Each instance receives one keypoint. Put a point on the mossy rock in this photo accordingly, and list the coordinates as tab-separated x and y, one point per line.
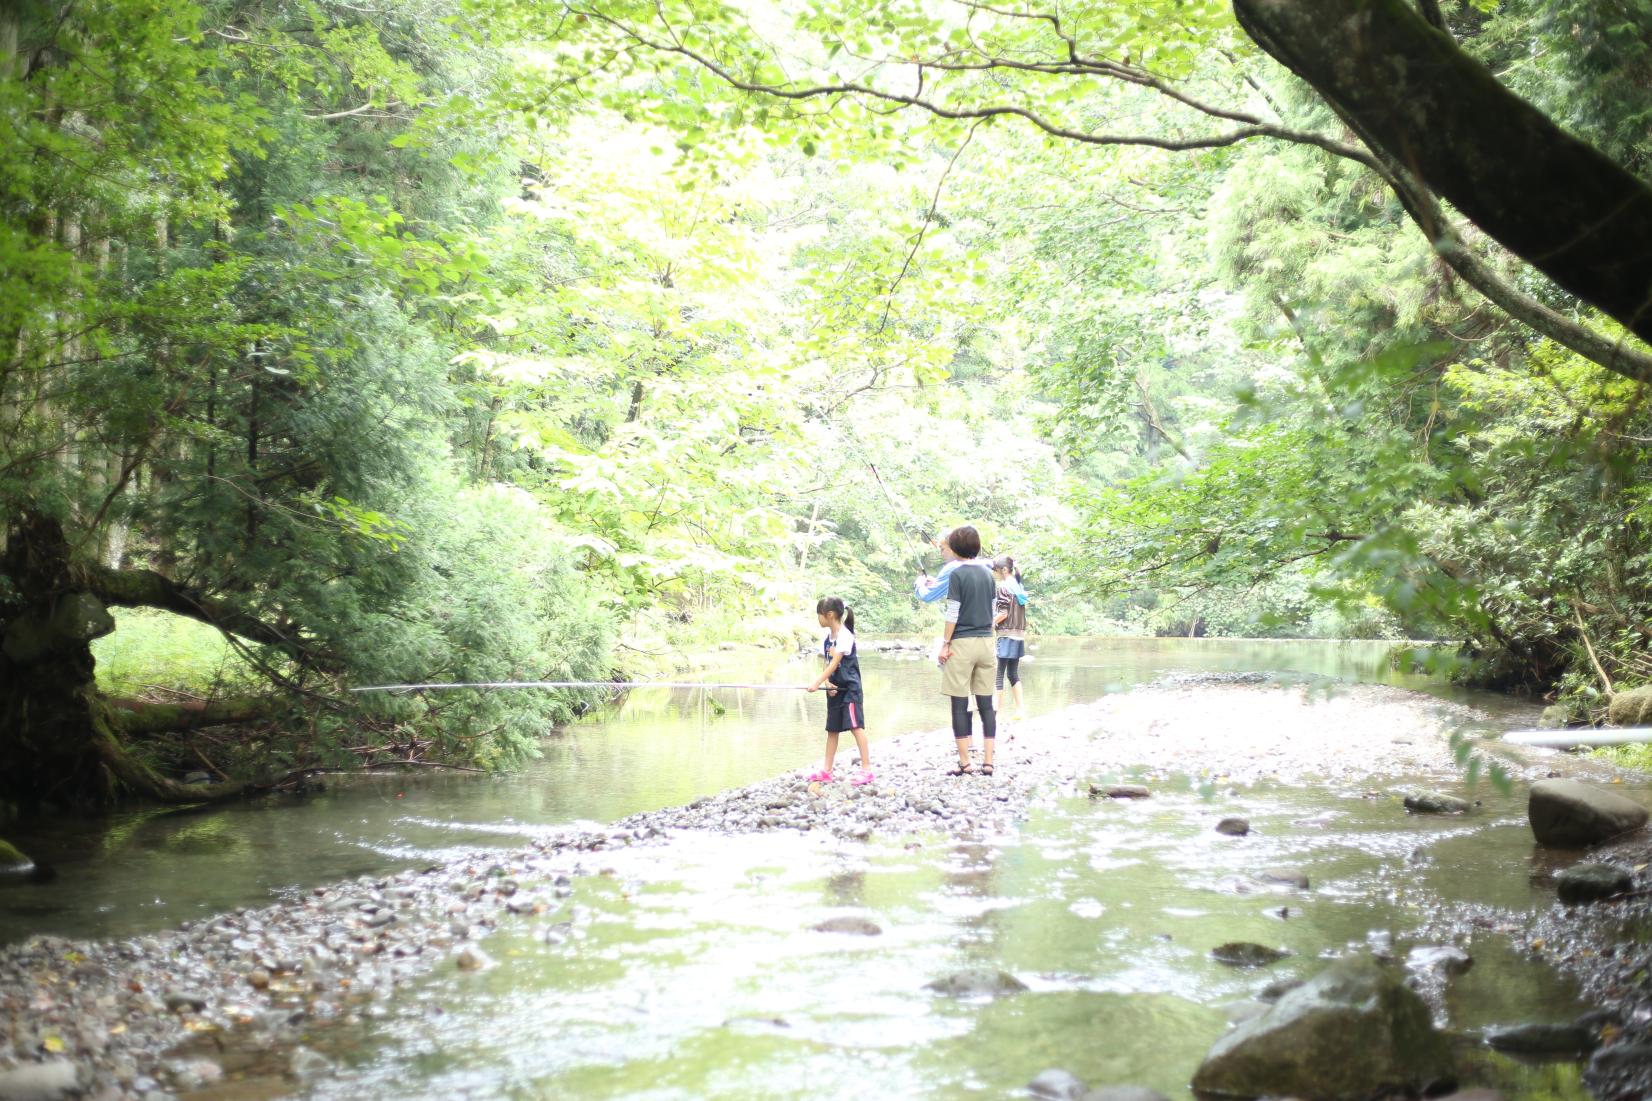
14	863
1352	1032
1631	708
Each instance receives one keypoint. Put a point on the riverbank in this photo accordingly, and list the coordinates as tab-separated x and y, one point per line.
239	1001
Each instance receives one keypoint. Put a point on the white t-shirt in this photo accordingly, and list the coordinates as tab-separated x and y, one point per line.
845	643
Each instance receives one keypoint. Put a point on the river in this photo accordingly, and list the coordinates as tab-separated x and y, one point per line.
687	977
151	870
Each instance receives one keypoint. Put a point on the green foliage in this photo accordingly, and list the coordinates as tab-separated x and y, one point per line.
152	650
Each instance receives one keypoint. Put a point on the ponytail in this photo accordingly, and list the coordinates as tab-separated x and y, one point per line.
1005	562
835	605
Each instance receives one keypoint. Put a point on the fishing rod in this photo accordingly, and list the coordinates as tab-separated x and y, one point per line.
577	684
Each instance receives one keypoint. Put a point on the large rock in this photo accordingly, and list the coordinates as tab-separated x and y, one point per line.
1571	815
1631	708
1352	1032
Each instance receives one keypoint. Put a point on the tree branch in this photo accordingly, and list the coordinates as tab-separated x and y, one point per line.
148	589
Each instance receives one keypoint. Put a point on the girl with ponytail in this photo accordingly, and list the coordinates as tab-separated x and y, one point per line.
845	699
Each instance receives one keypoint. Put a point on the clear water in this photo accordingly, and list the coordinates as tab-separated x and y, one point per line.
693	970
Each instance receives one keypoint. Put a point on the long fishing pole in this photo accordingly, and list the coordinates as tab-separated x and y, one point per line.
576	684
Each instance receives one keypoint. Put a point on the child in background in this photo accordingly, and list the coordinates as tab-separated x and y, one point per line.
845	700
1010	623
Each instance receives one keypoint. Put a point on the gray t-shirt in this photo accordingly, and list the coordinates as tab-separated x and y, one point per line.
969	594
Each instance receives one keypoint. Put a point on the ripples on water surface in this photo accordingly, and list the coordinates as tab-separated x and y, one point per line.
692	971
695	973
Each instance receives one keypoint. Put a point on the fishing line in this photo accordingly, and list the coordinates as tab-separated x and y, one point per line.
575	684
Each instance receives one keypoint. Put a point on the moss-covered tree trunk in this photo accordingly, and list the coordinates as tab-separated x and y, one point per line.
48	714
61	740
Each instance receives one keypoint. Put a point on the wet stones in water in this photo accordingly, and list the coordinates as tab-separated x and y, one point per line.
1352	1031
1233	827
977	982
1435	802
305	1065
38	1081
1543	1039
1442	959
1245	954
1119	791
1567	814
856	926
1285	877
472	958
1063	1085
1592	882
1622	1070
1278	989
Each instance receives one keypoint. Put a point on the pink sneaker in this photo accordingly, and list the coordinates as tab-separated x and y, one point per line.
864	778
821	777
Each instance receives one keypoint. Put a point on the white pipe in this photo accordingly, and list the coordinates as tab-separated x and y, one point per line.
1566	739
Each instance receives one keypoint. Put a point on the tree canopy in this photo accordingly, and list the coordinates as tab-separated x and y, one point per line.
492	340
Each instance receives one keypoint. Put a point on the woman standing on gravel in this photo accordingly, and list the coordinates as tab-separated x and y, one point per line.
967	655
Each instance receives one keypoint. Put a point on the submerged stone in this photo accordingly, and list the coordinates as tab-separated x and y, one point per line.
977	982
1288	877
1352	1032
1119	791
1278	989
857	926
1233	827
1246	954
1568	814
1436	802
1543	1039
1447	959
1061	1085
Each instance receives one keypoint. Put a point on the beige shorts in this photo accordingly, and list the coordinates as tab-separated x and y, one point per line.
969	671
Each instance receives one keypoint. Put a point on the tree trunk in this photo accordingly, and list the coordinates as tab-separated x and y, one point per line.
1408	91
61	741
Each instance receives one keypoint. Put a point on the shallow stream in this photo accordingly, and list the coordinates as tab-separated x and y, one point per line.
690	971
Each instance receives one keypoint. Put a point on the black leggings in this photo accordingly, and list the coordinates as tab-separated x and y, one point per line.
960	717
1010	666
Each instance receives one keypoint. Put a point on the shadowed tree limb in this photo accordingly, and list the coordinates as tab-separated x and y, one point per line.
1407	89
